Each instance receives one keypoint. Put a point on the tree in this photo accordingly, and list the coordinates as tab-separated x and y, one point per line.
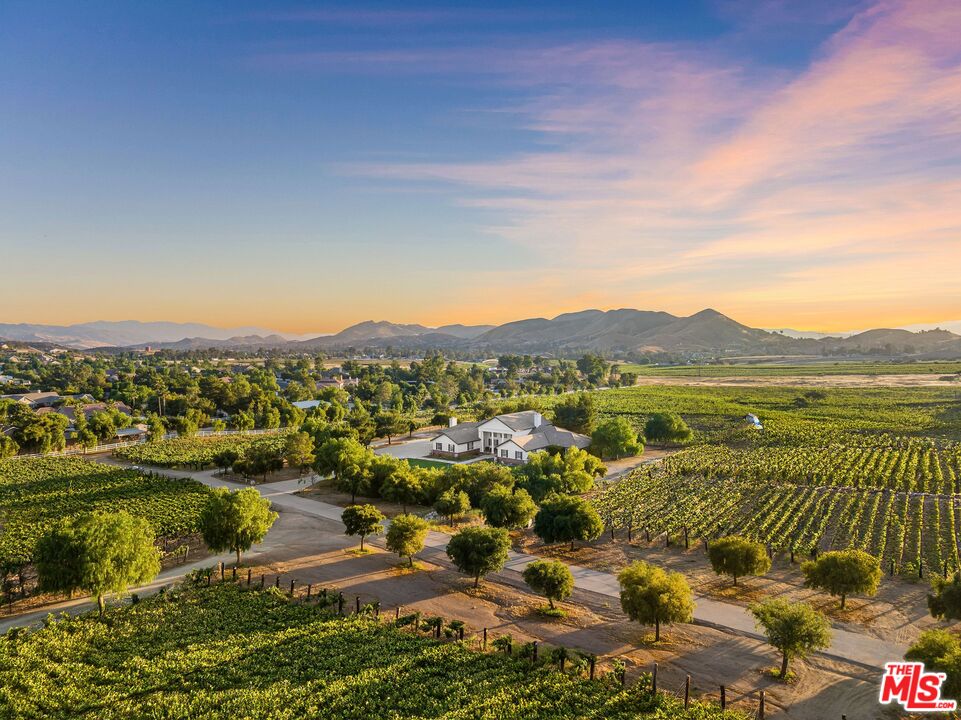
843	572
506	509
594	368
944	600
362	520
452	504
940	651
235	520
225	459
98	553
389	423
477	551
794	628
668	428
616	438
402	485
576	412
550	578
565	518
406	536
349	461
8	447
242	420
651	596
570	472
737	556
300	451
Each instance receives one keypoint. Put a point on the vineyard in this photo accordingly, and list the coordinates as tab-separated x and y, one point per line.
855	417
899	502
195	451
226	652
36	493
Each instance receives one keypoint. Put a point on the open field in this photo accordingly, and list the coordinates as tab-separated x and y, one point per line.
795	368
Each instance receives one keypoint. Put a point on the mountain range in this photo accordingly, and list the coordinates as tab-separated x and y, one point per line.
708	333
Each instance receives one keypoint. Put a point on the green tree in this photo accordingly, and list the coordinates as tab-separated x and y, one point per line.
940	651
565	518
478	551
794	628
615	438
389	423
348	461
506	509
737	557
406	536
242	420
594	368
944	600
570	472
156	430
8	447
362	520
97	553
843	572
235	520
452	504
576	412
550	578
403	485
363	424
667	428
300	451
651	596
225	458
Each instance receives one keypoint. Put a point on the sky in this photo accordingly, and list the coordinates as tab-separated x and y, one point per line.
305	166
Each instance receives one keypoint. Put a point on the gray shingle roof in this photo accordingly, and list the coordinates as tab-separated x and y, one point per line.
461	433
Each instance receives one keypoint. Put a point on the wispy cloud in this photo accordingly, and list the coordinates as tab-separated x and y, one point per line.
687	172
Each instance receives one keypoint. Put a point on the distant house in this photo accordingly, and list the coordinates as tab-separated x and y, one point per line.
509	438
35	400
137	432
306	404
90	408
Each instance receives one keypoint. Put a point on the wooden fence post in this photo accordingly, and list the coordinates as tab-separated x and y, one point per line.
221	571
340	604
357	604
687	692
534	652
262	578
593	663
234	576
397	613
723	698
485	638
277	582
310	587
249	572
760	708
654	680
292	583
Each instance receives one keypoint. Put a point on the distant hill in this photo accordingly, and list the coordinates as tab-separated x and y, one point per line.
622	332
122	333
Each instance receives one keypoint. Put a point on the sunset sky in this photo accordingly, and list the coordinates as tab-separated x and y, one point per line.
305	166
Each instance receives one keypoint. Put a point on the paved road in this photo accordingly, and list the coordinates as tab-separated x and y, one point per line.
859	648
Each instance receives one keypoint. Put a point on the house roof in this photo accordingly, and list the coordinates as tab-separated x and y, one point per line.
518	420
461	433
549	436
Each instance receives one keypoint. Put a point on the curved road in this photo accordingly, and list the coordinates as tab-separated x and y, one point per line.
862	649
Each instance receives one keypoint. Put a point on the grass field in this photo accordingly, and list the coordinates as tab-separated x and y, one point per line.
421	462
227	652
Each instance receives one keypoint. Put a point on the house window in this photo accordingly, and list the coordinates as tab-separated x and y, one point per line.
450	448
438	446
503	453
518	455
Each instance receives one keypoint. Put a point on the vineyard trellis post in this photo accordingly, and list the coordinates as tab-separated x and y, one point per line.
687	692
593	664
723	698
760	707
654	680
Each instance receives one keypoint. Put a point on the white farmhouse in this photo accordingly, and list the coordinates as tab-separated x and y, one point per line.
508	438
